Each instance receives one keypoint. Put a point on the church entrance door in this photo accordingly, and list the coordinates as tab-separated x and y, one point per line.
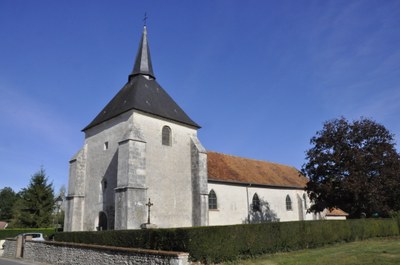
102	221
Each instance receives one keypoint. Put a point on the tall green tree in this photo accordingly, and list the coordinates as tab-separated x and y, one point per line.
7	200
35	208
59	212
353	166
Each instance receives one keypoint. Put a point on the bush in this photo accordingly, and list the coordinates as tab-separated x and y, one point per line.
225	243
10	233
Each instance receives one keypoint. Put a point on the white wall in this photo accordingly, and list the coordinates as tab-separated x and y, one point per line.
234	203
102	164
168	168
168	171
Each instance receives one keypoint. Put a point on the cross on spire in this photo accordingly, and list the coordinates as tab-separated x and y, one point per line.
145	19
149	204
143	65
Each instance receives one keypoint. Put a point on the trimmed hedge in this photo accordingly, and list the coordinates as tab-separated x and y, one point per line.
225	243
9	233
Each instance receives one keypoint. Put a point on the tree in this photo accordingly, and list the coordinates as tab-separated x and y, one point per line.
262	213
62	192
60	207
355	167
35	208
7	200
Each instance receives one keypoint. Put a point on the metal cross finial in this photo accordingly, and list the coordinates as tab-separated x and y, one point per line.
149	204
145	18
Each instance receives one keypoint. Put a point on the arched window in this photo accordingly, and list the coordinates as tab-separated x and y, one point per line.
104	184
166	136
305	201
212	200
256	203
288	203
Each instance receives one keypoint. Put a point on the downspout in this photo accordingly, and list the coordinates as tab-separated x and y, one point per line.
248	203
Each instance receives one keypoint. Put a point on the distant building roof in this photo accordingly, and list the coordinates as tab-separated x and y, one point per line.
143	93
3	225
336	212
227	168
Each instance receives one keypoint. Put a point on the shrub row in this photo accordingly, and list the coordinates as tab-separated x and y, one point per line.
224	243
10	233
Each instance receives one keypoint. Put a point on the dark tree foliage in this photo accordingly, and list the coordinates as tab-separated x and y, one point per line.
355	167
7	200
262	213
35	208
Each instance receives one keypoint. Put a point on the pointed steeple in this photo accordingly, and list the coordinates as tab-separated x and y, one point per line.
143	65
143	93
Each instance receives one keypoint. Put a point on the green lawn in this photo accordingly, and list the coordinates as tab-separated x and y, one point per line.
385	251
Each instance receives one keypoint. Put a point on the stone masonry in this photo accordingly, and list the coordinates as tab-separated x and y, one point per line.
72	254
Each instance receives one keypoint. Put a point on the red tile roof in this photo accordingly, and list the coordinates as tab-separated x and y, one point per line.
3	225
229	168
336	212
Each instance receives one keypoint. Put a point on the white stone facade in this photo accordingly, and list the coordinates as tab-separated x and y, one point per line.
123	163
234	204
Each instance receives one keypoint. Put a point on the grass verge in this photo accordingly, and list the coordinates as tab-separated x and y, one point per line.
382	251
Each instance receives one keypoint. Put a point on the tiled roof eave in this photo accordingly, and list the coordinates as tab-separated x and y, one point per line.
147	112
331	214
336	212
257	185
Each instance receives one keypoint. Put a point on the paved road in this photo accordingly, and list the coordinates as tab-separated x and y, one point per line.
4	261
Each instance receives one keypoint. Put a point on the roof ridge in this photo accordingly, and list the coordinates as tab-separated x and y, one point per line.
252	159
235	169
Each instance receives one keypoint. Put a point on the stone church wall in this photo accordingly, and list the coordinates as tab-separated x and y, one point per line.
76	192
125	164
234	204
199	183
101	170
168	171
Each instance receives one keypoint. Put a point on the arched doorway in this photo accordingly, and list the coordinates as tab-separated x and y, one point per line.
102	221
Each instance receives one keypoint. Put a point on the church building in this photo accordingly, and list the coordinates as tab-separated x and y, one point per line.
142	165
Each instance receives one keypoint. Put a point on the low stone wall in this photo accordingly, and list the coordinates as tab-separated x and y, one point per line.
71	254
9	248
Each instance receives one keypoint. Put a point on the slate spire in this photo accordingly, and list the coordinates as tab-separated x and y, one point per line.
143	65
143	93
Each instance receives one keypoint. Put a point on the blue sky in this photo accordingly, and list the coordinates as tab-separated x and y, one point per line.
260	77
